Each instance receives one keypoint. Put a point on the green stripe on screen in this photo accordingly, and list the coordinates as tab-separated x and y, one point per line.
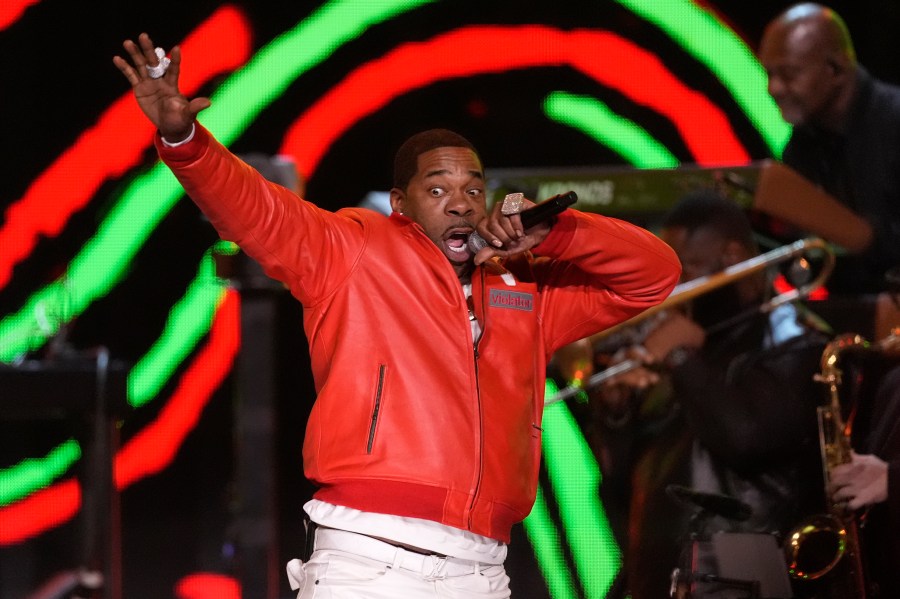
547	544
36	473
596	120
575	478
720	49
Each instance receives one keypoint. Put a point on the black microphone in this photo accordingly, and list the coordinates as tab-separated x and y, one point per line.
536	214
721	505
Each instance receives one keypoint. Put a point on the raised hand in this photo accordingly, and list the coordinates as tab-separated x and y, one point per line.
505	234
159	98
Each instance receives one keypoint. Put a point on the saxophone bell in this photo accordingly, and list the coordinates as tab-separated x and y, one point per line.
814	548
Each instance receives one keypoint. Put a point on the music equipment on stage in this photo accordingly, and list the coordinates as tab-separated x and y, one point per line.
783	193
545	211
828	544
90	392
689	290
826	547
732	565
643	196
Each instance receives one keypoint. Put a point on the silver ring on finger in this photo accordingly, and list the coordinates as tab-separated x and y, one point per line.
512	204
159	70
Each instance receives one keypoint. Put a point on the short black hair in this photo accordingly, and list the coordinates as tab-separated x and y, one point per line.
710	210
406	160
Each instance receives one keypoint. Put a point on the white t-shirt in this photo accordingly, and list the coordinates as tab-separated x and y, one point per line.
416	532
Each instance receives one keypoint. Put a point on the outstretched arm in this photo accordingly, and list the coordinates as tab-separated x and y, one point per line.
171	112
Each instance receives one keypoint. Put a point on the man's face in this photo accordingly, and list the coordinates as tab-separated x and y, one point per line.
700	254
704	253
446	198
803	81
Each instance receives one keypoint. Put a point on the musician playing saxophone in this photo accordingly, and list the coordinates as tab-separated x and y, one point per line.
872	480
726	405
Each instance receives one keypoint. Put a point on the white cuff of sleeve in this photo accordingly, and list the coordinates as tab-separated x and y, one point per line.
170	144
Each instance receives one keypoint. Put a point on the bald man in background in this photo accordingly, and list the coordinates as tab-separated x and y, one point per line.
846	131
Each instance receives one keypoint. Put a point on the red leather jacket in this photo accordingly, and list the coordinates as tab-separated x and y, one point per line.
411	418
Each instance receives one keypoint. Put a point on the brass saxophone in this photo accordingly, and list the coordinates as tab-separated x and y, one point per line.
828	544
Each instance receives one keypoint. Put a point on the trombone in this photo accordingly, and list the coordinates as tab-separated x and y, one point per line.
689	290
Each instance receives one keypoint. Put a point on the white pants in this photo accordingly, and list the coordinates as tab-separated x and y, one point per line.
359	567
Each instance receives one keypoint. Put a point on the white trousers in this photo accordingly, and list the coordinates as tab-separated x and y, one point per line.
351	566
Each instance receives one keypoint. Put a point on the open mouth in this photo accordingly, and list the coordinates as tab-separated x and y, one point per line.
456	241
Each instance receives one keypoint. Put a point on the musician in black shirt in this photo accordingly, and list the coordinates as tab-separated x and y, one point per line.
728	408
846	135
871	480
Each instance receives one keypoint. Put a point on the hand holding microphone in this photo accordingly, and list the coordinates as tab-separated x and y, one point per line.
535	215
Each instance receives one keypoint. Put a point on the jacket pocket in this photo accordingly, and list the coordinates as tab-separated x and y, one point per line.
376	407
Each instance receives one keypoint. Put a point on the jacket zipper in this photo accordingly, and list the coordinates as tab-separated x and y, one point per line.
478	402
376	409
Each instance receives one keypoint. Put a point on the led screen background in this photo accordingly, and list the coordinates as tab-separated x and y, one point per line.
96	243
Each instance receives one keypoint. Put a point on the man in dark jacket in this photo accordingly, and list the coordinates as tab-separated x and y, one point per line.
871	481
846	135
731	414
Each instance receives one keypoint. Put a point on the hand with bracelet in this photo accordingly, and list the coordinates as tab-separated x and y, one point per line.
154	80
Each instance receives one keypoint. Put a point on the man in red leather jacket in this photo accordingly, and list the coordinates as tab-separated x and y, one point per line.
428	358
